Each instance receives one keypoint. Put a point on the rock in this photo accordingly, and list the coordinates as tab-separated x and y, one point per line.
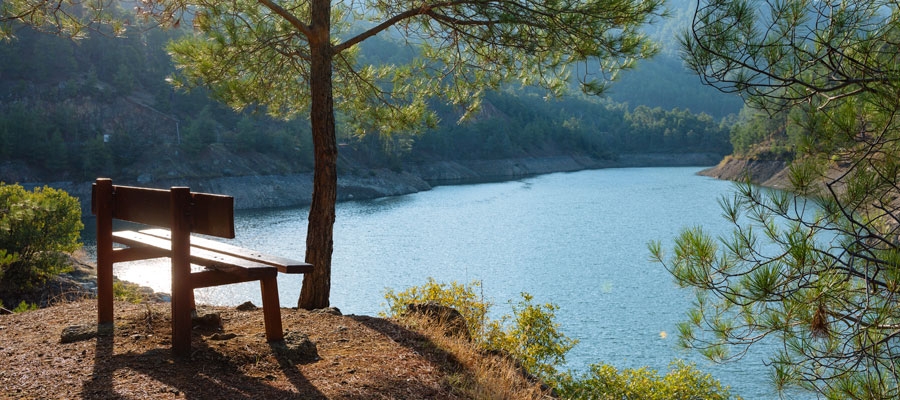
222	336
328	310
451	320
208	321
768	173
247	306
296	348
77	333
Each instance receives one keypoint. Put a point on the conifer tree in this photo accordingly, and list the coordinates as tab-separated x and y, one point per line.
815	271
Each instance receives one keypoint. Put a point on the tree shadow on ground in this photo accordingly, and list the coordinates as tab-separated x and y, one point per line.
415	341
205	373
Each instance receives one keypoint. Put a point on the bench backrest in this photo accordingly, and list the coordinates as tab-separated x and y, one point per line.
207	214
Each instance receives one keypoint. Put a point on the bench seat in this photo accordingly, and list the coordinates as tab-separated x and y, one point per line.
284	265
199	256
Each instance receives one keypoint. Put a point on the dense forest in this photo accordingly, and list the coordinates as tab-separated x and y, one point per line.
73	110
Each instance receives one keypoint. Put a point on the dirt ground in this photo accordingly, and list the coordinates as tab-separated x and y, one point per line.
354	357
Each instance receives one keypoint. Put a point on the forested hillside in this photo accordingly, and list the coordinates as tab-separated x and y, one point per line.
74	110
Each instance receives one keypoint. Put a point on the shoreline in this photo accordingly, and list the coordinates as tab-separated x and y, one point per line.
295	190
766	173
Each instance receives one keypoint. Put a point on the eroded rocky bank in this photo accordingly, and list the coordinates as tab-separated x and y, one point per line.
768	173
265	191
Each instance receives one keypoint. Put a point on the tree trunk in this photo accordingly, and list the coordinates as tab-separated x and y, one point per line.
320	231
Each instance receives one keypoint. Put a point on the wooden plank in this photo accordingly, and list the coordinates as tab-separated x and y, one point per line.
210	214
136	253
284	265
213	277
142	205
242	267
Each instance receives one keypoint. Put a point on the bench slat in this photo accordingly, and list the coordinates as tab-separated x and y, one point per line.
284	265
210	214
137	253
212	277
222	262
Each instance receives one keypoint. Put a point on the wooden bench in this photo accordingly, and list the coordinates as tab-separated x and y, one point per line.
181	212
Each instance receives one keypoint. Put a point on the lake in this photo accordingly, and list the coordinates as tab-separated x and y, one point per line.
578	240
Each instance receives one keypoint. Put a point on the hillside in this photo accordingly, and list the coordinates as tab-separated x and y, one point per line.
102	107
325	356
58	352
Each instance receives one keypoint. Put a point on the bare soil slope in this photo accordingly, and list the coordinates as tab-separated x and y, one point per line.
355	357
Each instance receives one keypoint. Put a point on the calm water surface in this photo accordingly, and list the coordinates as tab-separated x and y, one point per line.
578	240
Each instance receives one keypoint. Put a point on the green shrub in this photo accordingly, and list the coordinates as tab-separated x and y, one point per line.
532	337
124	291
36	230
683	381
23	306
464	298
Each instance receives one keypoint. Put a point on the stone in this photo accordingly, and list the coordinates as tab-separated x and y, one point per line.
247	306
328	310
213	320
296	348
451	320
223	336
77	333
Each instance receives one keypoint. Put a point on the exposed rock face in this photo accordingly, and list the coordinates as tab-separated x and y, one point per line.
768	173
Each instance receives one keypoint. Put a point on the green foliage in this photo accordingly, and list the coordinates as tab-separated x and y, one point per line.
55	124
664	82
682	382
522	123
97	159
23	307
200	133
65	110
36	229
465	298
815	273
533	43
532	337
124	291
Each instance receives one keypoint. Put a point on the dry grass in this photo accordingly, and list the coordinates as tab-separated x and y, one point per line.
481	375
359	357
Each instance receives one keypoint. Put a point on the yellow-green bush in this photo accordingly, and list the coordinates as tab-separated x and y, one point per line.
530	335
465	298
533	338
37	228
682	382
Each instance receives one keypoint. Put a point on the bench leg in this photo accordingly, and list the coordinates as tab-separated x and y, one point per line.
104	289
103	204
271	309
181	321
